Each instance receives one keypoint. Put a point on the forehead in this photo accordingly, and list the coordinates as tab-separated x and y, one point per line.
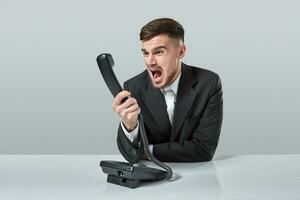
159	40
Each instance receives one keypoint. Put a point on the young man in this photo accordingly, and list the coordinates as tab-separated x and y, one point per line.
182	106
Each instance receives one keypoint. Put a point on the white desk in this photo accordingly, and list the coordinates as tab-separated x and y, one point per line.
58	177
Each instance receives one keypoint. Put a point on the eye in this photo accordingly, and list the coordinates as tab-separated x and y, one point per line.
159	52
145	54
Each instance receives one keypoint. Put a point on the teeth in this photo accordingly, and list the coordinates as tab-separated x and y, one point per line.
155	72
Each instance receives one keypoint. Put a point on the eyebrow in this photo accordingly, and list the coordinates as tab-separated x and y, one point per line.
156	48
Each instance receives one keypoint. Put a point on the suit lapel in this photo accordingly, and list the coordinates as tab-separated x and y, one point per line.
156	104
185	98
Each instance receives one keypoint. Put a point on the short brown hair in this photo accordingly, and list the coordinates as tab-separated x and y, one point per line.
159	26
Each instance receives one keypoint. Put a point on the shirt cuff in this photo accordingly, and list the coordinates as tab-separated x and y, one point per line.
130	135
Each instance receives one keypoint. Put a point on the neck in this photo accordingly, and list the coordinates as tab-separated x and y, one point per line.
176	74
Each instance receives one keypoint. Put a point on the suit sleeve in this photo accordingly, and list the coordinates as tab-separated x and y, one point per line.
205	137
131	151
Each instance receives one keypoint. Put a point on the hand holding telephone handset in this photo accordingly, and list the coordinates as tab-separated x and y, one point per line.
119	170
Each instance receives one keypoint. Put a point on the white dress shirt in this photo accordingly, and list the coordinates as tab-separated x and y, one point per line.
170	93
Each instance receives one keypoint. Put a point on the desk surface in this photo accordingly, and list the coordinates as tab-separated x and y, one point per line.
80	177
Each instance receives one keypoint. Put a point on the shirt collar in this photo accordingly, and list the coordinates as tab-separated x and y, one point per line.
173	86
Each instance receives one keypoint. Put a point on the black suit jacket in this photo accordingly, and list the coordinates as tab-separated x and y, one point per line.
198	115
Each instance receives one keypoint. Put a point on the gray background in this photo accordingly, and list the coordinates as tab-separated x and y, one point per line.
53	99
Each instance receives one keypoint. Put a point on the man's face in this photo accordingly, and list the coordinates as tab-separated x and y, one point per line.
162	56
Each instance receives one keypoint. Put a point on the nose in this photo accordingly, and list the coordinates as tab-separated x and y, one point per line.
151	61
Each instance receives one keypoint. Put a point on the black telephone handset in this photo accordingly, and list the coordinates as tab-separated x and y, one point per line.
122	173
106	63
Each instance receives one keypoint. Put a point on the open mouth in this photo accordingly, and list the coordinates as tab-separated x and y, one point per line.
156	75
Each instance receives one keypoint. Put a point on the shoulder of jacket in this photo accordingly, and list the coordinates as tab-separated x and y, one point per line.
202	72
136	80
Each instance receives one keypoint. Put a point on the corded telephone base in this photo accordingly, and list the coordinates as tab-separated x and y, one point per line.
130	175
118	180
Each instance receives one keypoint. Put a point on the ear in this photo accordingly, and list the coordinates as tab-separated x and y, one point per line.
182	50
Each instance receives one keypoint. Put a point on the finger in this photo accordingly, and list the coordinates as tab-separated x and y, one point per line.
129	110
133	115
121	95
121	107
129	102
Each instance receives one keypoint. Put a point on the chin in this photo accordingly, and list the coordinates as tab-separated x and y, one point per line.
159	85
